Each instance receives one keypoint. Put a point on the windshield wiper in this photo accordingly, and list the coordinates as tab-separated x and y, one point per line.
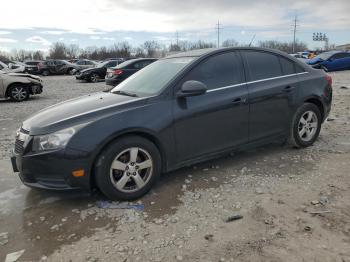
125	93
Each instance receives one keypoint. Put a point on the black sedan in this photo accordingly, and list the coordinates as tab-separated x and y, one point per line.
97	73
179	110
116	75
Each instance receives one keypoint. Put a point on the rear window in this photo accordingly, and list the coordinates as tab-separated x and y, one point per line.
288	67
262	65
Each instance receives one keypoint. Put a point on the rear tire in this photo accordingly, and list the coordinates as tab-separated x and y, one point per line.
306	126
128	168
18	93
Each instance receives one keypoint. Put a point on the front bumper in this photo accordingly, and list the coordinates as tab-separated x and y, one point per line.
82	77
53	170
36	89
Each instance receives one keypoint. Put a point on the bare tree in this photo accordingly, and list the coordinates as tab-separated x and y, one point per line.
230	43
151	48
72	51
38	55
58	51
284	46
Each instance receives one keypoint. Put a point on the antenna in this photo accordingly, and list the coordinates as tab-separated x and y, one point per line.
251	41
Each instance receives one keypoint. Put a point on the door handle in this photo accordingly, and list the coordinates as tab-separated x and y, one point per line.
288	89
239	100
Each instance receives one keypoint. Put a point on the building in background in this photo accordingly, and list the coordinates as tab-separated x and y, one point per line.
343	47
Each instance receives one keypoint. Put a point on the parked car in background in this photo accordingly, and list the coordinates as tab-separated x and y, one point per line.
73	61
14	69
304	54
298	56
116	75
13	66
180	110
56	67
18	86
331	61
97	73
85	63
120	60
31	66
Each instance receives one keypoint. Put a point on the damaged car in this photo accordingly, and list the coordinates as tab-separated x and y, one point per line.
18	87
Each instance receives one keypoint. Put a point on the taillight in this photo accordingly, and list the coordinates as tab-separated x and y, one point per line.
329	80
117	72
39	65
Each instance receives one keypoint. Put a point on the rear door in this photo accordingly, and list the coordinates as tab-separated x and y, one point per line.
218	119
60	67
271	93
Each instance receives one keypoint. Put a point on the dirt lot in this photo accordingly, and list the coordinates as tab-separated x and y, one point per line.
295	203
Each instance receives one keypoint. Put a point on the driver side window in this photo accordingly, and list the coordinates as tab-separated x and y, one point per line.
217	71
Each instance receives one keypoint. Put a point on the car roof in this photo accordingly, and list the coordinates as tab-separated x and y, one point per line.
209	51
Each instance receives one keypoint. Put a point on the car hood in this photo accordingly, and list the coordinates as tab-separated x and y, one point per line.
88	69
313	61
79	111
24	75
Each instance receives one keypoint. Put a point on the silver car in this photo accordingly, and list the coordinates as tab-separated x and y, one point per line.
18	87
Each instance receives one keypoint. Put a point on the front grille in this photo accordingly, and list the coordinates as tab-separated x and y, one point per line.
19	148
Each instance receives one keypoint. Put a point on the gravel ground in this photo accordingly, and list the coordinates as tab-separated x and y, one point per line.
294	203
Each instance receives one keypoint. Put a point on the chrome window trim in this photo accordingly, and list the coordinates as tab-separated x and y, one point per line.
255	81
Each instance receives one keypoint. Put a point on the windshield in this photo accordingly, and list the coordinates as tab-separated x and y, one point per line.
153	78
325	55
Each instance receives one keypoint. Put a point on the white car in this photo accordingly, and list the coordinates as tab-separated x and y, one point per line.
14	67
18	87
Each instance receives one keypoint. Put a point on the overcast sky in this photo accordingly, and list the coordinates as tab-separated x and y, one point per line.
36	24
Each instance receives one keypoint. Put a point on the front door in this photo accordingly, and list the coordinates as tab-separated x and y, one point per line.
218	119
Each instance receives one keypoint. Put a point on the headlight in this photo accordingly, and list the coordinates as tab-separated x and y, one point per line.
52	141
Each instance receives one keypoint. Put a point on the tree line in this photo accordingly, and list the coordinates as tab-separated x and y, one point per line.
61	50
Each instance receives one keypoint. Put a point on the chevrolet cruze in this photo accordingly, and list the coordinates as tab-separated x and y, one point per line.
180	110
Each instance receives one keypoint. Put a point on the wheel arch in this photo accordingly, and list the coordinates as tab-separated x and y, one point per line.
318	102
136	132
7	94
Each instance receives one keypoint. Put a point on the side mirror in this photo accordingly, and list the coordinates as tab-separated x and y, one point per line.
192	88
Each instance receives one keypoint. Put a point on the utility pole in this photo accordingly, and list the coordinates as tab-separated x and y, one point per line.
177	37
294	32
218	28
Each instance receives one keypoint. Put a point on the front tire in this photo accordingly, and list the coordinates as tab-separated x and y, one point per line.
128	168
306	126
94	78
18	93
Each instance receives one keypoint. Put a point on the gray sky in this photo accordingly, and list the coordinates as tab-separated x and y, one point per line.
36	24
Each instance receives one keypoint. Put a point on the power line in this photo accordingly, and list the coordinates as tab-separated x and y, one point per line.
218	28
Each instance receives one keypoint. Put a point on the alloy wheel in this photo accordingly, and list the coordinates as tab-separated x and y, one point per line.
131	169
94	78
307	126
19	93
